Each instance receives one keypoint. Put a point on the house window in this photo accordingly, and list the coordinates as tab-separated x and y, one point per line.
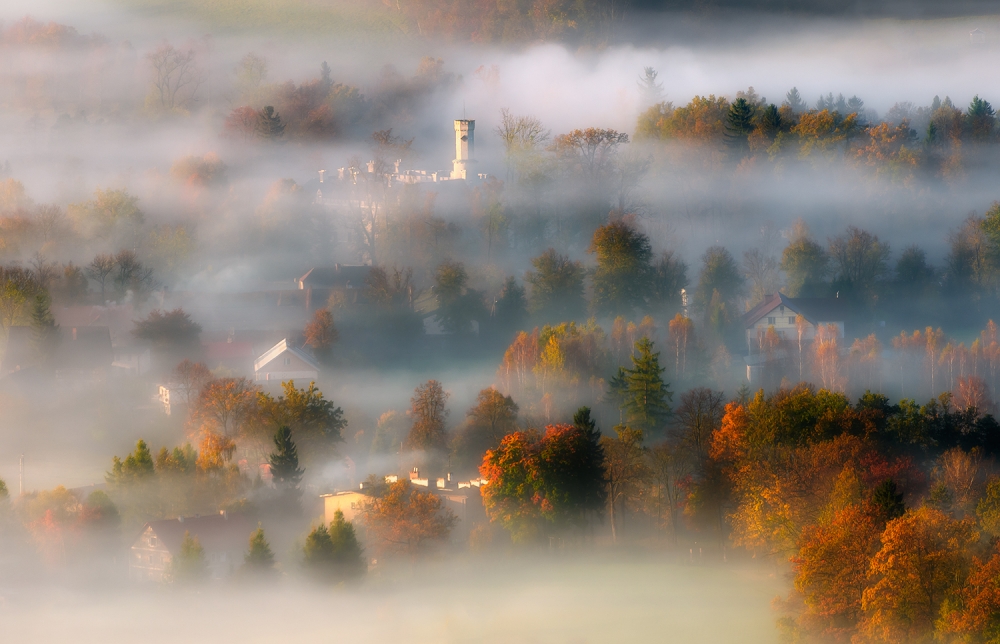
152	540
288	361
791	320
770	320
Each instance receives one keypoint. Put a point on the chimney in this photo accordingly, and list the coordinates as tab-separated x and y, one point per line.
74	334
322	175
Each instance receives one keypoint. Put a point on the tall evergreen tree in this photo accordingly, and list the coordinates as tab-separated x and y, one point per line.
334	553
44	330
348	554
284	461
259	558
189	564
646	397
794	100
269	125
739	124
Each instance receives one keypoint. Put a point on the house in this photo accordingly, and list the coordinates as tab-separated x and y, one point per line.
285	362
780	312
349	502
81	351
463	499
224	538
322	282
977	36
119	318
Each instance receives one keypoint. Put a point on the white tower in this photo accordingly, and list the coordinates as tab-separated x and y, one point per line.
465	147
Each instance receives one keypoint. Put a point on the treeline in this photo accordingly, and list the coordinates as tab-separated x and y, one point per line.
908	144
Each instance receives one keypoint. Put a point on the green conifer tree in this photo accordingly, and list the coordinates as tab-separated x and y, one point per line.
348	555
334	554
888	500
647	397
739	124
259	558
269	125
136	467
44	330
189	565
284	461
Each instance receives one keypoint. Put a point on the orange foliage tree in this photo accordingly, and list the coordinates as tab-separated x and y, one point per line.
407	521
924	557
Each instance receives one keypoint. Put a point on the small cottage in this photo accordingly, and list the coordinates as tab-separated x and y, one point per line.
224	538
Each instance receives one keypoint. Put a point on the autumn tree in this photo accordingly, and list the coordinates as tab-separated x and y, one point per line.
590	152
100	270
805	264
458	306
176	78
316	422
189	378
621	278
544	484
321	334
719	273
975	612
923	556
624	470
112	215
225	406
522	136
860	263
493	417
406	520
17	289
697	416
831	570
241	124
556	287
428	414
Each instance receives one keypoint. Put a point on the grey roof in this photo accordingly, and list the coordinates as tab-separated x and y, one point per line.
336	276
215	532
